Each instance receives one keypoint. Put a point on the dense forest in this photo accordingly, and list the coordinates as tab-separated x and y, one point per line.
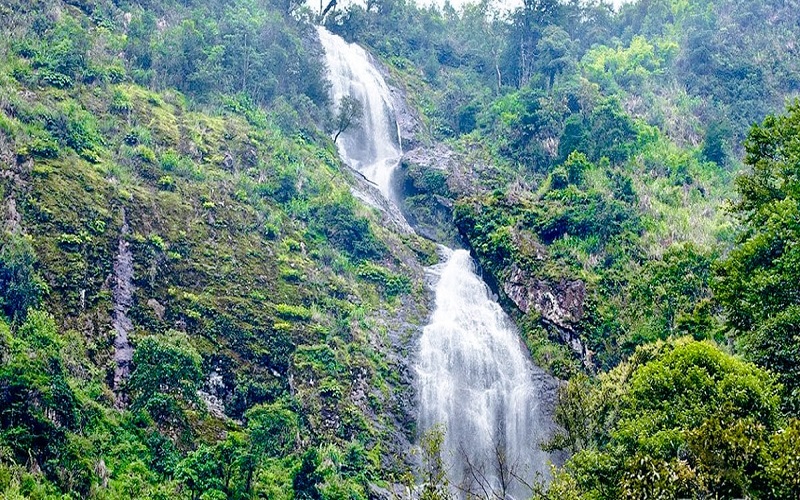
195	302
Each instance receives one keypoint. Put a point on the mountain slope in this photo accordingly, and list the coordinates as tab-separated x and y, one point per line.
257	294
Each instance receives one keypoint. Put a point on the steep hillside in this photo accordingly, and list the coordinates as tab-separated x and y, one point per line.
195	301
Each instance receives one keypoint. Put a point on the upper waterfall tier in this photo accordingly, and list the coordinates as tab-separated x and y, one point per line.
373	148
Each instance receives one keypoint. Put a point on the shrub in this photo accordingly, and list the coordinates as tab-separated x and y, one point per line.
70	241
121	103
43	146
77	128
20	286
272	429
157	242
391	283
346	230
55	79
167	183
170	161
145	154
290	312
165	365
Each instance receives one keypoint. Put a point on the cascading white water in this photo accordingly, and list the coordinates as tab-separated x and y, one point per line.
476	381
373	148
473	375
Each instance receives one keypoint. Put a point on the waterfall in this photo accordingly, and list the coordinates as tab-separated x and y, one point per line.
476	380
373	148
474	377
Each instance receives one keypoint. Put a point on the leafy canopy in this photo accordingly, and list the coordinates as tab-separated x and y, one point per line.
759	283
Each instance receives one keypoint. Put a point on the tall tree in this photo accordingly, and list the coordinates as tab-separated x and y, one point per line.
348	115
759	282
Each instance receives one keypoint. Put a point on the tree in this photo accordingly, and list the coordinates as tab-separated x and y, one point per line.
715	146
20	285
165	366
349	114
555	51
308	477
435	485
679	419
201	472
493	477
527	23
38	408
273	429
759	283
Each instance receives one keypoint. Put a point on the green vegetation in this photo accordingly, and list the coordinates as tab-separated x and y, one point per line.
192	133
22	288
590	155
682	418
677	420
759	281
595	153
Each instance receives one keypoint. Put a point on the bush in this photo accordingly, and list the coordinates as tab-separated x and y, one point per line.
20	285
165	365
290	312
573	212
680	419
166	183
77	129
272	429
346	230
391	283
55	79
37	405
121	103
43	146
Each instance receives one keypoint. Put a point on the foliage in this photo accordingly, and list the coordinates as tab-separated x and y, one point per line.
588	147
391	283
245	47
39	407
165	366
348	115
435	485
20	285
273	429
679	419
758	283
345	229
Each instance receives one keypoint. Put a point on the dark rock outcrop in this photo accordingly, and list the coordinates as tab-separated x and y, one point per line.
425	195
560	305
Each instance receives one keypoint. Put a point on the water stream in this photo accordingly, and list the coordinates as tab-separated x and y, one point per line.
474	378
123	300
373	148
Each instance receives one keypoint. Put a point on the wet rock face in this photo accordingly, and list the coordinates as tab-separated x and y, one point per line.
559	304
123	301
408	123
425	196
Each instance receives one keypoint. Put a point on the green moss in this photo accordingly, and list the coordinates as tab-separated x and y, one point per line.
290	312
392	284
